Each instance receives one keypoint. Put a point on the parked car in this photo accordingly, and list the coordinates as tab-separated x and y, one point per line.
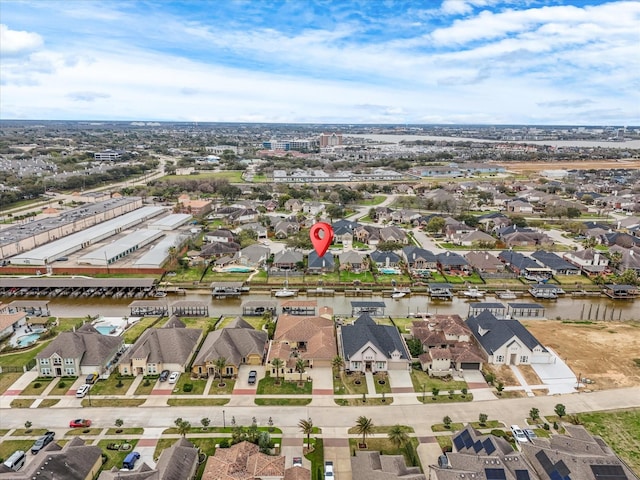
91	378
328	469
253	375
80	423
82	390
42	442
130	460
530	434
297	461
518	434
173	378
164	375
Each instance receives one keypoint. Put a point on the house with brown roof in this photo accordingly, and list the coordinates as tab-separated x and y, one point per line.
194	207
477	238
10	322
157	349
310	338
589	260
484	262
79	352
367	465
74	461
243	461
449	345
238	343
177	462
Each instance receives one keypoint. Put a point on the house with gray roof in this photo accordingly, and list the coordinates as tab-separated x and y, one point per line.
323	264
74	461
287	260
555	263
253	256
367	346
168	348
238	343
351	260
507	342
79	352
418	258
374	466
385	259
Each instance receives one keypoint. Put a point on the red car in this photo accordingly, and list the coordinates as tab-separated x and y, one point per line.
80	423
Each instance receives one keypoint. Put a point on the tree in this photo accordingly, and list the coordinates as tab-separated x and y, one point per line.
560	410
435	392
482	418
27	425
300	367
220	363
534	414
205	422
277	363
364	426
398	436
337	363
118	423
447	421
306	426
500	388
435	225
184	427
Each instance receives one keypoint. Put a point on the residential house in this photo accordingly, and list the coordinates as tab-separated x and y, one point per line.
219	249
254	255
620	239
310	338
557	264
630	258
369	347
238	343
454	229
385	259
383	214
449	345
285	228
271	205
507	342
177	462
452	263
79	352
519	206
168	348
419	260
243	461
343	232
484	262
491	221
10	322
313	208
352	261
243	215
293	205
527	239
589	260
260	230
196	208
393	234
476	238
287	260
73	461
404	216
517	262
221	235
324	264
366	465
367	234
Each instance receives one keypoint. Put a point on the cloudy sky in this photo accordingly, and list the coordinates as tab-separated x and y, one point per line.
328	61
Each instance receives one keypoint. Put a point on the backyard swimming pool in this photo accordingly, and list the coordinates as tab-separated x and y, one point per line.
25	340
389	271
106	329
238	269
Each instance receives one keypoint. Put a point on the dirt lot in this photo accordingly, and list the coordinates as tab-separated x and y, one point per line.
526	167
602	352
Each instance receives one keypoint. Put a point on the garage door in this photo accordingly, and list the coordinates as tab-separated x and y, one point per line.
470	366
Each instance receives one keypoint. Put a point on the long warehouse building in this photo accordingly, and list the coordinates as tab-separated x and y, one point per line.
108	254
50	252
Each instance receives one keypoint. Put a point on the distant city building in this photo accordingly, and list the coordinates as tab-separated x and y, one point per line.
330	139
286	145
110	155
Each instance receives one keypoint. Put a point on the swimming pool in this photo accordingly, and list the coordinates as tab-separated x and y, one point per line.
238	269
106	329
390	271
25	340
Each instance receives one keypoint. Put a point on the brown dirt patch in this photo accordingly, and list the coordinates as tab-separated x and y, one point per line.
529	374
527	167
602	352
503	374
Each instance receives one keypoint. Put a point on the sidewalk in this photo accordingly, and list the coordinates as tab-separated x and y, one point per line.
521	380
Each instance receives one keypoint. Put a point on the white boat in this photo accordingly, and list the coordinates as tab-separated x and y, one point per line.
506	295
398	294
473	292
285	292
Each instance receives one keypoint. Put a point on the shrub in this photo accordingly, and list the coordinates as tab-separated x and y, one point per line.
555	425
187	387
62	384
37	385
498	433
224	443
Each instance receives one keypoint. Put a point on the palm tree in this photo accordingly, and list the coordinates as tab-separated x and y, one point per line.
184	427
364	426
306	426
300	367
276	363
220	363
398	436
337	363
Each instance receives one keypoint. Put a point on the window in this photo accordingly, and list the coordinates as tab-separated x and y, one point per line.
380	365
524	359
57	361
70	371
151	368
45	371
44	361
499	359
229	370
68	361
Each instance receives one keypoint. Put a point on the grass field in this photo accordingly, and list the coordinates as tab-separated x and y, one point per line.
115	457
267	386
136	330
233	176
113	402
8	379
420	379
110	386
7	447
22	358
620	429
197	402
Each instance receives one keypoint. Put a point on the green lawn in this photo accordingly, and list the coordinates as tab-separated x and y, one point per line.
7	447
185	378
109	386
345	385
381	387
74	432
233	176
376	200
420	379
34	432
21	402
8	379
488	424
126	431
368	401
197	402
22	358
113	402
620	429
446	398
255	322
284	402
453	427
382	429
229	383
62	385
146	389
385	447
48	402
267	386
316	457
133	332
37	386
115	457
445	442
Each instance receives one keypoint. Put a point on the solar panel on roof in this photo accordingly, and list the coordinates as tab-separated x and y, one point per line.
489	447
522	475
466	438
477	446
555	475
562	468
495	474
608	472
458	442
545	462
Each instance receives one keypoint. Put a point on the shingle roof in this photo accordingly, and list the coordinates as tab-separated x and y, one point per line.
232	343
386	338
86	343
326	261
498	332
164	345
552	260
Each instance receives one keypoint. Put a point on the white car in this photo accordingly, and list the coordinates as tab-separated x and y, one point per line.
173	378
82	390
518	434
328	469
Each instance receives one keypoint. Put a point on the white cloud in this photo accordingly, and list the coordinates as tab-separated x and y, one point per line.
15	42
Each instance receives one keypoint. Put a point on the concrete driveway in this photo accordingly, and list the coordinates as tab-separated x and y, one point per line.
557	376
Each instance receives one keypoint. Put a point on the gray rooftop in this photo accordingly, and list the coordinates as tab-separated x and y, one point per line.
386	338
493	333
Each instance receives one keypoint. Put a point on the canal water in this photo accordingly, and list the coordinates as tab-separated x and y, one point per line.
567	308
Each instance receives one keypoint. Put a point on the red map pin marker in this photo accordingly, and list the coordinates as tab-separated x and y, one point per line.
321	242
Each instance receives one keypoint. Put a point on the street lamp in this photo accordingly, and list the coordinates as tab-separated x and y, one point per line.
423	392
224	422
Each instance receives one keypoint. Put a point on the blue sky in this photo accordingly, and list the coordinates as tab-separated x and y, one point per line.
322	61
